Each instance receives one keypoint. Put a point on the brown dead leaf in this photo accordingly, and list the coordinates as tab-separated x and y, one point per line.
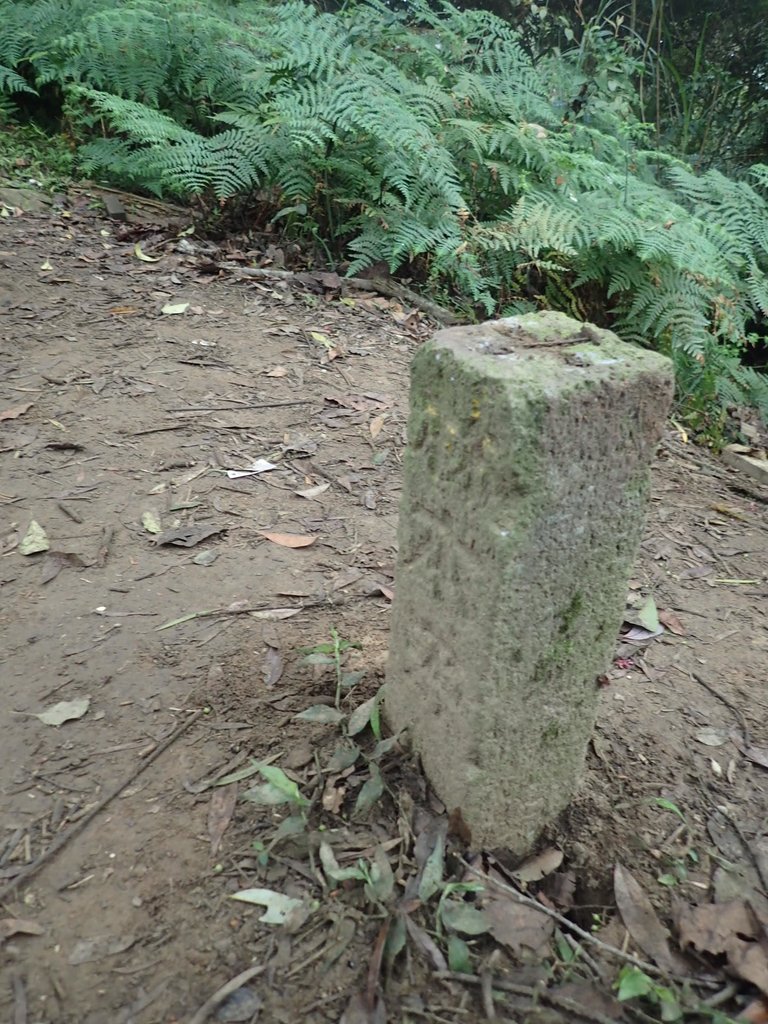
10	926
641	920
288	540
669	619
55	561
426	944
333	795
89	950
367	401
757	755
347	578
299	756
535	868
220	811
273	666
376	424
14	411
729	929
598	1003
755	1013
518	926
187	536
313	492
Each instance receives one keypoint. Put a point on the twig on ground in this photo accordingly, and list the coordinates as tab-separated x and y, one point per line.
160	430
737	712
583	956
225	992
74	516
486	985
61	841
538	994
726	993
19	998
324	602
237	408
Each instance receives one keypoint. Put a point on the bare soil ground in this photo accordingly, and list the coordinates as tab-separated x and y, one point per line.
118	420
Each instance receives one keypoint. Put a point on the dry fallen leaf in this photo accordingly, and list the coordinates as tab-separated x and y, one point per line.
641	921
599	1004
288	540
220	811
711	737
672	622
58	560
333	795
313	492
14	411
376	424
755	1013
10	926
729	929
64	711
535	868
517	926
277	371
273	666
88	950
757	755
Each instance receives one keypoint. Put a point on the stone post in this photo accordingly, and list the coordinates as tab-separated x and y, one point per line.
526	480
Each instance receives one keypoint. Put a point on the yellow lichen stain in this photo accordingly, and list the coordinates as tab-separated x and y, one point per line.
430	410
475	414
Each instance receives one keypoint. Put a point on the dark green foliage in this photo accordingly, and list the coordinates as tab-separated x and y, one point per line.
699	74
436	143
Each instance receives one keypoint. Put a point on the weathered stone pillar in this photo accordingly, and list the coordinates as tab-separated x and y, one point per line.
526	479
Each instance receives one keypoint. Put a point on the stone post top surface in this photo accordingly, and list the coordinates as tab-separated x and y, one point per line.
547	345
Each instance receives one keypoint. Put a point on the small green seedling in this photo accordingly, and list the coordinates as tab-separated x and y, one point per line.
633	983
334	653
668	805
276	790
678	869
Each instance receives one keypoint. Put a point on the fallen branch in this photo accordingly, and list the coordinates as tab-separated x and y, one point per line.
132	199
376	284
237	408
61	841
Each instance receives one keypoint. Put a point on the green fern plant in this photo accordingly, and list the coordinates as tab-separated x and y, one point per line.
428	138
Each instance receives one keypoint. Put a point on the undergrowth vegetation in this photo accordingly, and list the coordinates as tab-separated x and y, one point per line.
438	141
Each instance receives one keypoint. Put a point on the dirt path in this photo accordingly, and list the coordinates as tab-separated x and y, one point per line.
132	420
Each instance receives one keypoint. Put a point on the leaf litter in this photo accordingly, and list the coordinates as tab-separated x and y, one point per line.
417	940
